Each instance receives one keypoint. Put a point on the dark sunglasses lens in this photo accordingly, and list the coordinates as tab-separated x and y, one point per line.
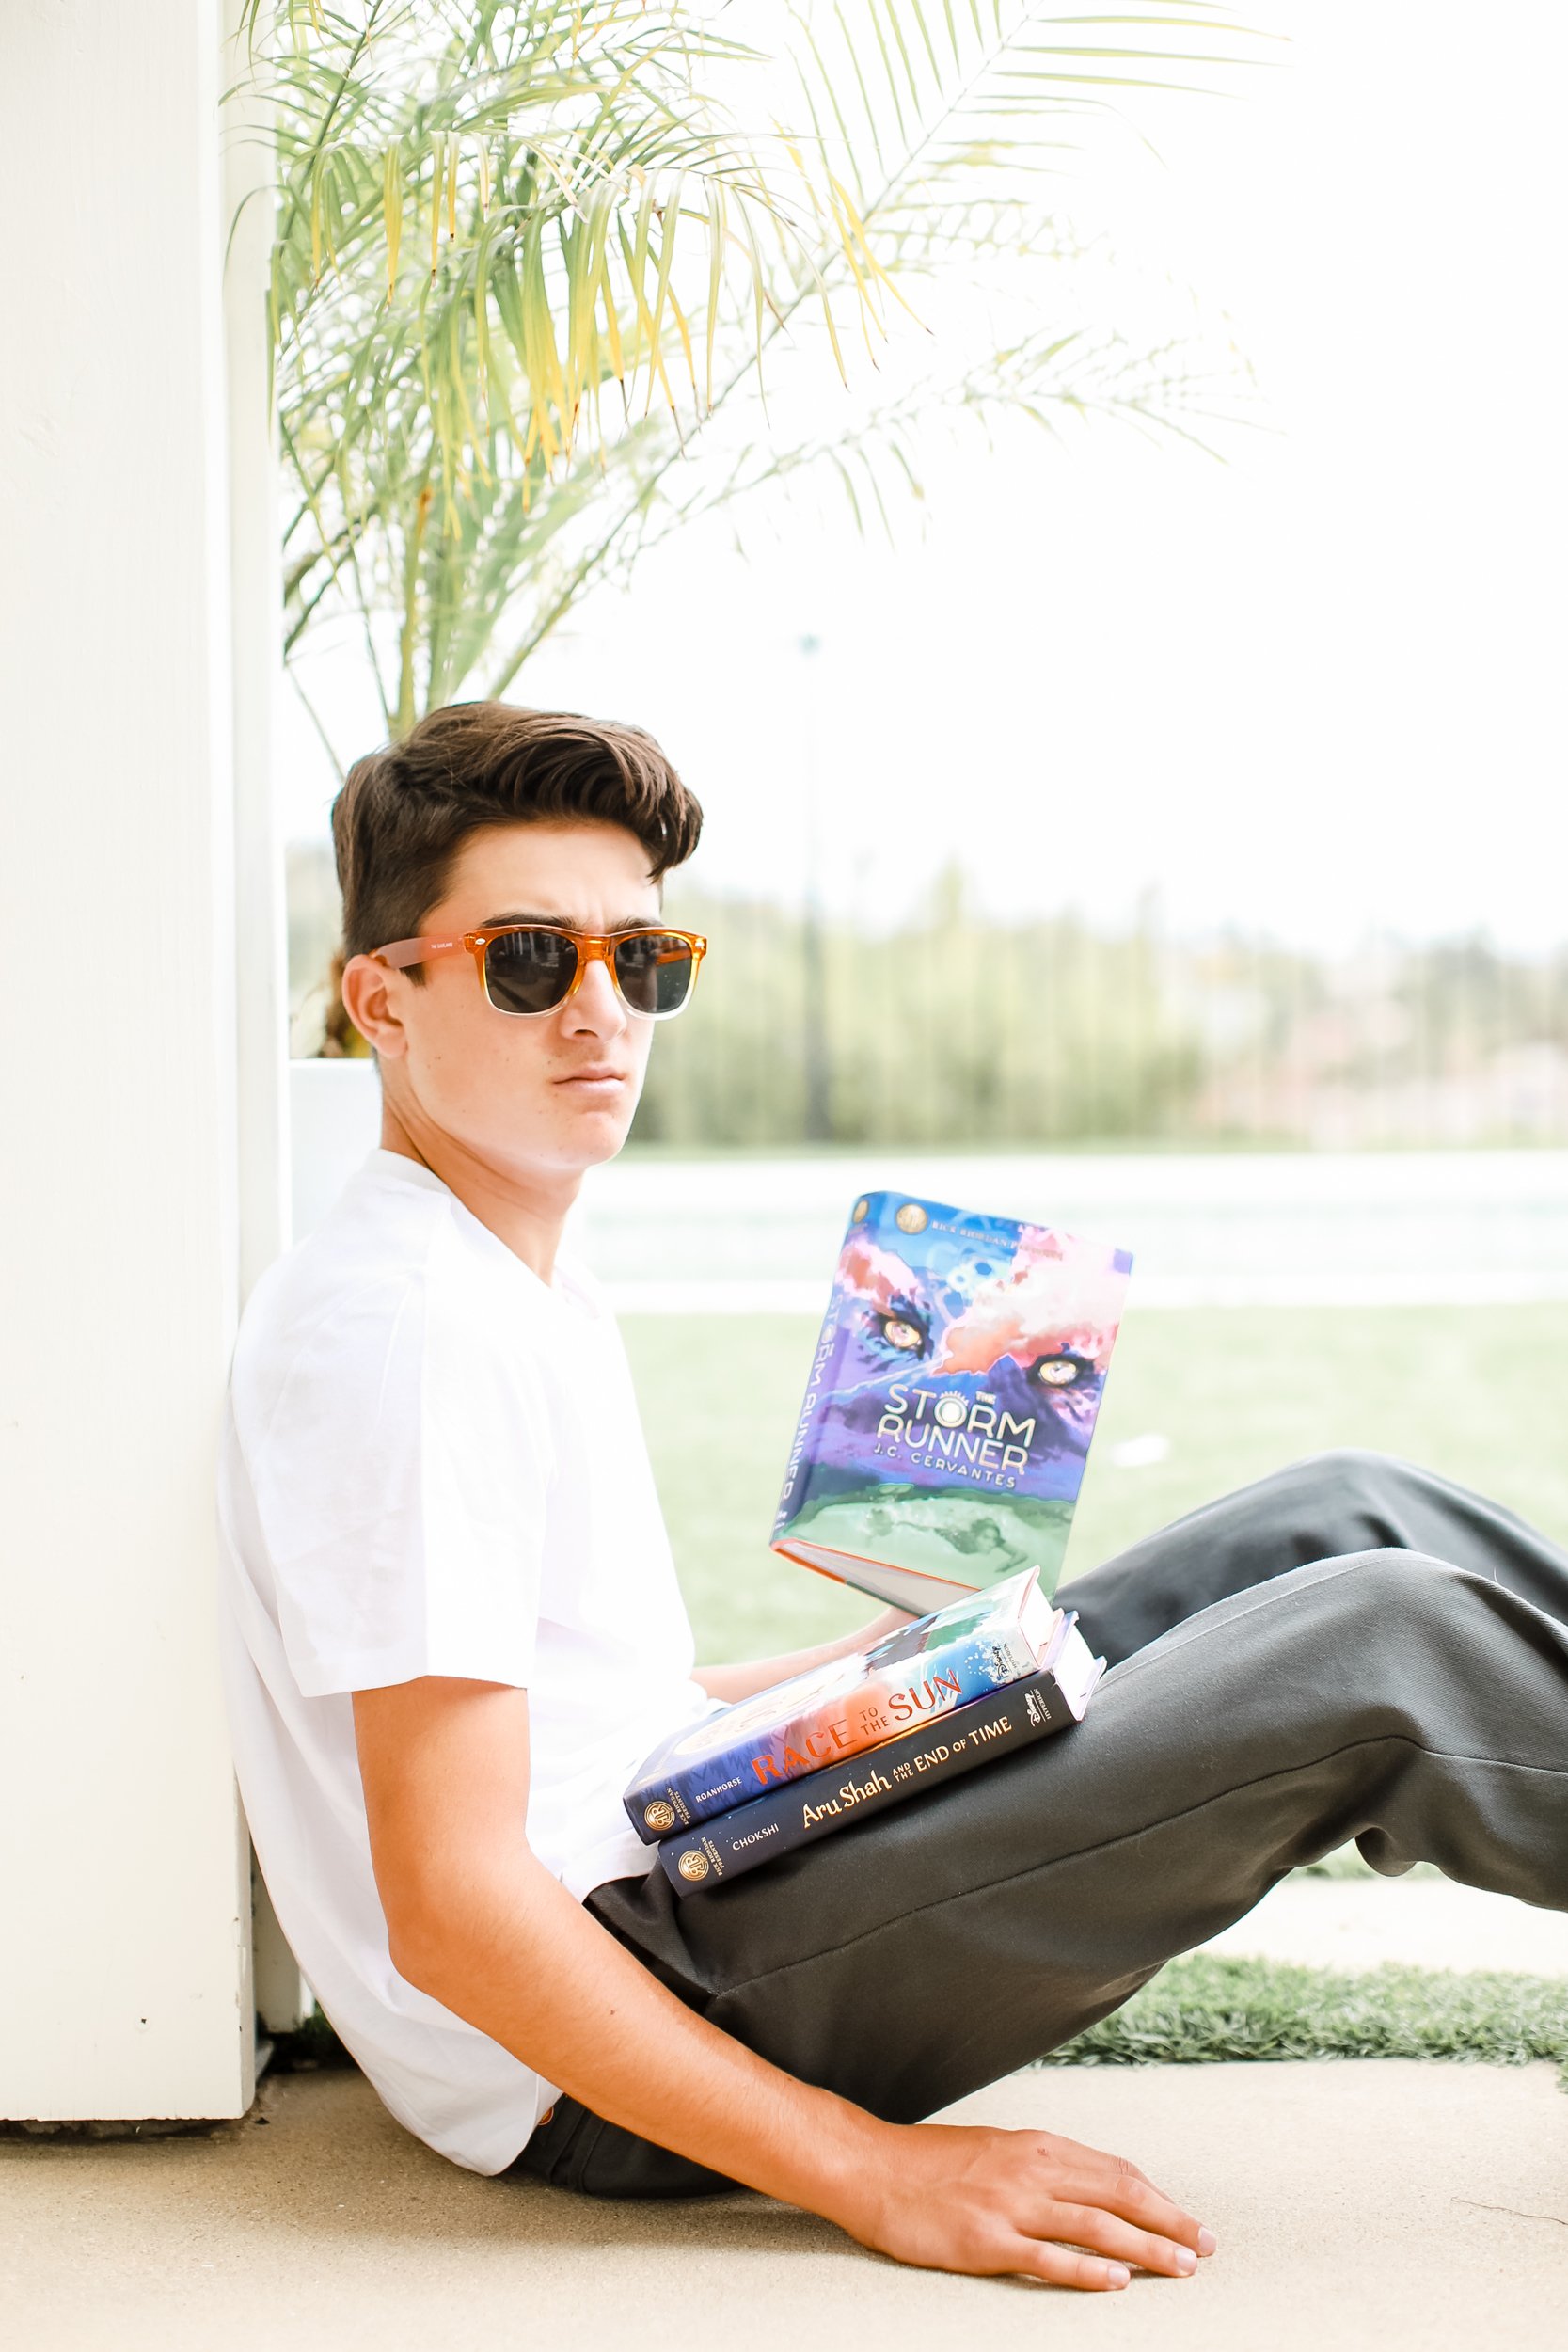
655	970
529	971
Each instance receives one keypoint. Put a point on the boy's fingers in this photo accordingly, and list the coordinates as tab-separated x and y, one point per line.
1121	2241
1074	2156
1136	2200
1065	2267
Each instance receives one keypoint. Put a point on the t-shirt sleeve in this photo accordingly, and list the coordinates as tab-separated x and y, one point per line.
401	1483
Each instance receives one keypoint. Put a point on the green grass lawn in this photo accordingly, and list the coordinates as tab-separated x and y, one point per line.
1477	1392
1201	2010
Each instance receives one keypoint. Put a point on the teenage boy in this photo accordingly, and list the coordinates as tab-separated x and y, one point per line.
452	1629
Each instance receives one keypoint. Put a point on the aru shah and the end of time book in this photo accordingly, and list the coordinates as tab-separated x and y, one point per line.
951	1400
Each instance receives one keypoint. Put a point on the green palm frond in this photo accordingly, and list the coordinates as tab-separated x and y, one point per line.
531	256
1047	379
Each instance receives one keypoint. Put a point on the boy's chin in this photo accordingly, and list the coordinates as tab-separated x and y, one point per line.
594	1137
608	1146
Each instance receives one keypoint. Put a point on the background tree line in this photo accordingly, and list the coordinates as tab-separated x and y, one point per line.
955	1030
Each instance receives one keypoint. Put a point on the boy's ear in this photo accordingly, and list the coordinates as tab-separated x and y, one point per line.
368	999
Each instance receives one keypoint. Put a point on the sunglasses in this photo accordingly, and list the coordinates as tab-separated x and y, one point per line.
531	968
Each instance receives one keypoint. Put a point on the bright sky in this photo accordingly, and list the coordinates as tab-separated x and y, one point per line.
1310	690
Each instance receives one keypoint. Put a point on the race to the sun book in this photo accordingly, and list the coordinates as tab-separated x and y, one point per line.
935	1464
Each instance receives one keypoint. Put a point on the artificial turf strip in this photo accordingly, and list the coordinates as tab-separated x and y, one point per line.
1202	2010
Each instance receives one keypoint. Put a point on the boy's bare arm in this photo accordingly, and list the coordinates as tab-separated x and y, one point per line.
740	1681
477	1921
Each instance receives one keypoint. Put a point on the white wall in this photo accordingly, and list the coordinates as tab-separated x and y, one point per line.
124	1961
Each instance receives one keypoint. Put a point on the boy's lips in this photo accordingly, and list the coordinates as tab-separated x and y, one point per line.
596	1074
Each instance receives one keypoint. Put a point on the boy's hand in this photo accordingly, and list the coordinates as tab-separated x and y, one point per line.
956	2197
744	1680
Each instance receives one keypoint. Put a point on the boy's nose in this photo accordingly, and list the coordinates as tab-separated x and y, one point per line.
595	1001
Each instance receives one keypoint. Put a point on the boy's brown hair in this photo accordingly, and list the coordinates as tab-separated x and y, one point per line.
405	811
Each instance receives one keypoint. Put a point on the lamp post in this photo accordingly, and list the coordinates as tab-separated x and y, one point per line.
818	1106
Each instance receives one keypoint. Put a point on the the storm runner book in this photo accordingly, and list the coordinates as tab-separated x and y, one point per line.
978	1645
952	1397
980	1732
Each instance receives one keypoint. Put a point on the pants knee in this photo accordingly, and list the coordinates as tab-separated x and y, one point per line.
1348	1478
1406	1604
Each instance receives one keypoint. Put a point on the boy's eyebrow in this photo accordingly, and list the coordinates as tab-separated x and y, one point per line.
560	923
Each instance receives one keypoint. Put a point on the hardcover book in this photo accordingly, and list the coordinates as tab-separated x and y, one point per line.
952	1398
924	1670
801	1811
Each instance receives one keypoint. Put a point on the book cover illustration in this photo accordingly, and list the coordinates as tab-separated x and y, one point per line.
731	1843
951	1400
914	1674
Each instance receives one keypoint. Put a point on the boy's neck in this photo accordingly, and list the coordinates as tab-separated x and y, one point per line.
528	1216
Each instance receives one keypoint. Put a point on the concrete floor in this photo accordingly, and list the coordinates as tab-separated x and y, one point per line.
1395	2206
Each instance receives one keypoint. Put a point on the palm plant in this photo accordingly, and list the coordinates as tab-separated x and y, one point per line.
537	264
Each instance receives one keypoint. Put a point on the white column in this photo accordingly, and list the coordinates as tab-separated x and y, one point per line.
124	1958
261	927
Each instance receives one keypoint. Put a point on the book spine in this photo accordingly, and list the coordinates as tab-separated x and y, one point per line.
938	1682
734	1842
822	1382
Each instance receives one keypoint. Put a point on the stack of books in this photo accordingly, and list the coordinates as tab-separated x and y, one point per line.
843	1742
936	1464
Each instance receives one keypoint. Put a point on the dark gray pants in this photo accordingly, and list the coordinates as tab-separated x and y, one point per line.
1352	1649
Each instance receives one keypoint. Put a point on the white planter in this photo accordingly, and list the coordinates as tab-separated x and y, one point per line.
335	1119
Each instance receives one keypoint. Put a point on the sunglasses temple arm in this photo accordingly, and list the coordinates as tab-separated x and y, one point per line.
402	953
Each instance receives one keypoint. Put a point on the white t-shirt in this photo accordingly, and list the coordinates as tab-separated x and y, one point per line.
433	1464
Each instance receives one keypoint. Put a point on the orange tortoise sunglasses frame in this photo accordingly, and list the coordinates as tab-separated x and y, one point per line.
653	968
